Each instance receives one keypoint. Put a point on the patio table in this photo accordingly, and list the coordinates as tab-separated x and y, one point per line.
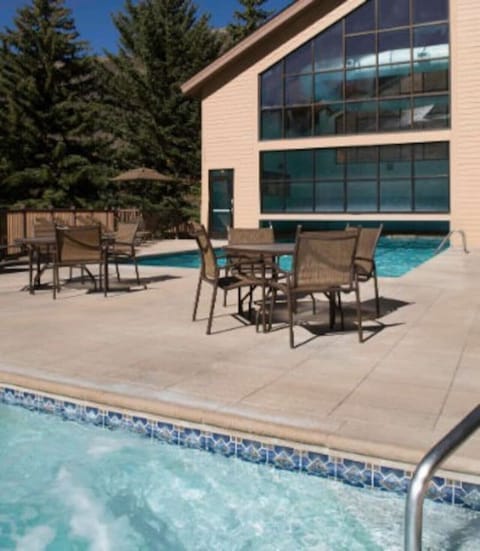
263	250
35	245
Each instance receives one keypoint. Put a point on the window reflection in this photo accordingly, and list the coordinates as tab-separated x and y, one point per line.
393	178
394	47
393	14
362	19
345	79
328	47
298	90
394	80
425	11
299	61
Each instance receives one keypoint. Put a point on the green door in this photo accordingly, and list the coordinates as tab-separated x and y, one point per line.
221	201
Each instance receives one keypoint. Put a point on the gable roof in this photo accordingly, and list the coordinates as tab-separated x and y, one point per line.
266	38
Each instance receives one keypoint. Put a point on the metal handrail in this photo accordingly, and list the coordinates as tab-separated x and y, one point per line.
447	237
424	472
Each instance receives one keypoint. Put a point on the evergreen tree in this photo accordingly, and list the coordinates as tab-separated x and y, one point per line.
247	20
162	44
50	151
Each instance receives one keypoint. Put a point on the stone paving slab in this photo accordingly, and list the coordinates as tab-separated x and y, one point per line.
391	397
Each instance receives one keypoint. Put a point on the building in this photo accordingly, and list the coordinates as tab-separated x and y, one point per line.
355	111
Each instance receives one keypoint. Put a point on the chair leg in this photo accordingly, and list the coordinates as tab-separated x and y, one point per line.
55	281
197	296
117	270
212	308
290	319
359	313
136	269
377	299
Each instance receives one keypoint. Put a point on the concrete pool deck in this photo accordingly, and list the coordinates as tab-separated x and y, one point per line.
391	397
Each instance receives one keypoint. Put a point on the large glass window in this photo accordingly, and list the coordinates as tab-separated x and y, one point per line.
387	178
336	83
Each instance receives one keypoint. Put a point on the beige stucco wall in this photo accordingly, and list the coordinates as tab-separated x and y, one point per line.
465	143
230	130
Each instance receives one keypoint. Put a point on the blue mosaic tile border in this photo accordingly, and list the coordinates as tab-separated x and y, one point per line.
355	473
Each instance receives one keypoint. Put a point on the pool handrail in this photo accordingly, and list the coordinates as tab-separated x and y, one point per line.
425	471
447	237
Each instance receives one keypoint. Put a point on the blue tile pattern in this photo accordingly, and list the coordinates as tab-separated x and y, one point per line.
356	473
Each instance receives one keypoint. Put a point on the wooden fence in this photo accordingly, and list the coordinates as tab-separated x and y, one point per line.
17	224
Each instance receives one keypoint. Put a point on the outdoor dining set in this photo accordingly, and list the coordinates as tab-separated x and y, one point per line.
329	263
88	244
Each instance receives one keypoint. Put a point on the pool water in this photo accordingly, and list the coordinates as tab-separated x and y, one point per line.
394	256
72	486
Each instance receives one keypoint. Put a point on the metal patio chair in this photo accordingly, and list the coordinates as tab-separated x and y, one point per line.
365	258
122	247
79	246
226	278
323	263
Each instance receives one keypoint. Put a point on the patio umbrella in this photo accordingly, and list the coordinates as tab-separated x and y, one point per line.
142	173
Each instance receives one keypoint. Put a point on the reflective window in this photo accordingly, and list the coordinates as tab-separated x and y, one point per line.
393	14
329	86
329	119
425	11
328	49
390	178
298	122
394	47
271	124
362	19
298	90
299	61
395	195
271	86
385	66
329	196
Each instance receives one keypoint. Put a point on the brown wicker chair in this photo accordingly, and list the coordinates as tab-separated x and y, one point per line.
365	258
241	236
123	247
211	272
323	263
79	246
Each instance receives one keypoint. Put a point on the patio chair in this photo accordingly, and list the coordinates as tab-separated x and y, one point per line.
241	236
323	263
211	273
123	246
365	258
79	246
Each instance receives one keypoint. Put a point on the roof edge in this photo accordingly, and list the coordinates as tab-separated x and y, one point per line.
193	86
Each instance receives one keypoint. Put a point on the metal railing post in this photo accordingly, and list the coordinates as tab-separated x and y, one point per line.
424	472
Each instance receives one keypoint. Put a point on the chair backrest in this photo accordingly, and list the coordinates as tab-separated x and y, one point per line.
126	232
241	236
79	244
44	229
367	244
324	259
209	266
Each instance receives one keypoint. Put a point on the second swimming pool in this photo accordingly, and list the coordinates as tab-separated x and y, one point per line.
394	256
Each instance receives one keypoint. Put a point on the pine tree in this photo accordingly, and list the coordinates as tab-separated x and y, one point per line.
247	20
162	44
49	145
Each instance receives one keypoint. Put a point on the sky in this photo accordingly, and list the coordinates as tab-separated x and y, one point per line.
94	23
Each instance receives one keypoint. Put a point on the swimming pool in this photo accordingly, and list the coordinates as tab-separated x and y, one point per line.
394	256
66	485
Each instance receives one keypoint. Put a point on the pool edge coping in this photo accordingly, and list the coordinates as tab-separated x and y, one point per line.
378	470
